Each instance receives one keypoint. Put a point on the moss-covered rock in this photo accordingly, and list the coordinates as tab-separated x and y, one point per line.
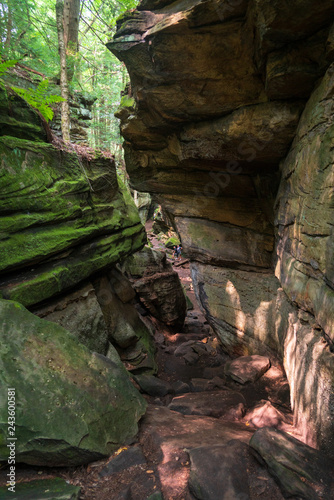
43	489
17	118
72	406
172	242
57	207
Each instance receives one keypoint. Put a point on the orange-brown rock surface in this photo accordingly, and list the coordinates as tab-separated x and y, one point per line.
232	131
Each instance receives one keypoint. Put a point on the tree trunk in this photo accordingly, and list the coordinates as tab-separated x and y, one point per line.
71	33
9	28
65	110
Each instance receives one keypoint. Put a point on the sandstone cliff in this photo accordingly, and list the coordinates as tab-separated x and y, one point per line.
231	129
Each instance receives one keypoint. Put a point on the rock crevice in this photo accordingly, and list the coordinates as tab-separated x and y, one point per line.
231	130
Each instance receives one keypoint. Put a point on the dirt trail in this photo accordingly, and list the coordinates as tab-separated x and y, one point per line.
202	407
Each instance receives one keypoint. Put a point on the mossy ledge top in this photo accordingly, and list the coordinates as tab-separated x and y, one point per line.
61	219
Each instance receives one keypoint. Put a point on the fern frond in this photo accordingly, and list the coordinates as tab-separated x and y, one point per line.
38	98
5	65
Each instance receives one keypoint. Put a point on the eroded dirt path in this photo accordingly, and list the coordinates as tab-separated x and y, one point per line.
197	426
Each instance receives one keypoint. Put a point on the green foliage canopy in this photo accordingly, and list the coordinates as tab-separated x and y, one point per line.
28	34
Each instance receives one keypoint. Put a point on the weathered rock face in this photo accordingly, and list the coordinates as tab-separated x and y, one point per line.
144	205
65	222
126	328
225	93
80	313
62	218
157	285
72	406
299	470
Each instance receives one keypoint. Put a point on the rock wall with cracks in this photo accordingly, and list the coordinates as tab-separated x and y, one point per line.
67	223
229	125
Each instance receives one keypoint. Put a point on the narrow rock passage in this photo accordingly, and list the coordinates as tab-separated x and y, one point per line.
203	409
193	440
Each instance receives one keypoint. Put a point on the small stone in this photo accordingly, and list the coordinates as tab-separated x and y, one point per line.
199	384
217	382
153	385
247	369
180	387
265	414
184	348
127	458
191	358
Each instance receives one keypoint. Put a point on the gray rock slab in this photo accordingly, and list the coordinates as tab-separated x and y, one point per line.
210	403
300	471
165	434
247	369
220	472
127	458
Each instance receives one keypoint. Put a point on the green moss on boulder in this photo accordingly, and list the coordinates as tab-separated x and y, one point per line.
17	118
172	242
43	489
57	208
72	406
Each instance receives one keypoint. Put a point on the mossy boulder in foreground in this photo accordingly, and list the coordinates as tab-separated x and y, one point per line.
72	406
42	489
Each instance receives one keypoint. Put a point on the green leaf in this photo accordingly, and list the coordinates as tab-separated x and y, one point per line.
5	65
39	99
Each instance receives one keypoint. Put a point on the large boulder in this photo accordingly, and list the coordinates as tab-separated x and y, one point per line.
144	204
241	309
300	470
127	330
72	406
80	313
157	285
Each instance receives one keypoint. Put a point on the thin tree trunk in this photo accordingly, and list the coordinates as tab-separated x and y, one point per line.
65	110
8	29
71	33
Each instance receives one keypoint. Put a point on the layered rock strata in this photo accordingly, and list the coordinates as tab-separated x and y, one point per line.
63	218
65	222
157	285
230	128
